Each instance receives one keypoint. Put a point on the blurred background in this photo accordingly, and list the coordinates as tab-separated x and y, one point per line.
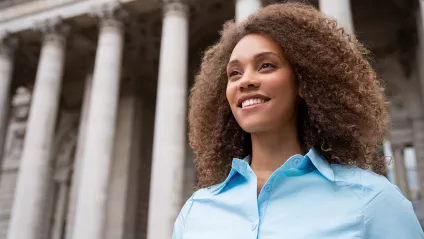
93	107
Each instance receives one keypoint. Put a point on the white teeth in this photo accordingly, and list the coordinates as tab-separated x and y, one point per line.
252	102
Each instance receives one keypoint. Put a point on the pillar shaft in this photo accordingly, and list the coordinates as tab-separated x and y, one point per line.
418	129
401	174
100	135
170	121
34	180
77	167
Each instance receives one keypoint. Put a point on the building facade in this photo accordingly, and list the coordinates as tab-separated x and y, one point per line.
93	107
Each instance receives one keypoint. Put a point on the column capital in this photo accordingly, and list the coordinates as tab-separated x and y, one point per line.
111	15
8	45
175	6
54	30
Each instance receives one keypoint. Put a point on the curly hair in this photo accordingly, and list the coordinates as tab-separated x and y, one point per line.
343	113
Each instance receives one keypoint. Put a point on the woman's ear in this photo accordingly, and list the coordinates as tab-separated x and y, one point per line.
299	92
299	83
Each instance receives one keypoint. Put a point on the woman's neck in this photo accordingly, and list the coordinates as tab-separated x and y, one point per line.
270	150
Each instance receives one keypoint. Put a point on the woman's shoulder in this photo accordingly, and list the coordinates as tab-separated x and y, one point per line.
386	212
371	184
201	193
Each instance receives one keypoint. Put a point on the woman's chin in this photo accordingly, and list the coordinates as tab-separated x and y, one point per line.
254	127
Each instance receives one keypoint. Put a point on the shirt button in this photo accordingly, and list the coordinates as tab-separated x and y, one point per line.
254	226
267	188
296	161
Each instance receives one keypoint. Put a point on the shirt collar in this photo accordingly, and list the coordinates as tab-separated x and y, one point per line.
321	164
297	161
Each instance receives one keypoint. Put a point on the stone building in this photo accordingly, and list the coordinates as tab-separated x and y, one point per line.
93	100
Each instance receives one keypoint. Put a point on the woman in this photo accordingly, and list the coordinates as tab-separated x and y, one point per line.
292	99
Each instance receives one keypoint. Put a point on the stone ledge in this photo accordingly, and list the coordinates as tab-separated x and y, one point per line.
23	8
22	16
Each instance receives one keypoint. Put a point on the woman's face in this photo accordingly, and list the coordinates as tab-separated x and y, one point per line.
261	89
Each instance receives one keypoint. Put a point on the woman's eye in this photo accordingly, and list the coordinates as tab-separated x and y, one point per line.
233	73
266	66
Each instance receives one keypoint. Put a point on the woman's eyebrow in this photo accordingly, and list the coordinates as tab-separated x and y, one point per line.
267	53
233	62
258	55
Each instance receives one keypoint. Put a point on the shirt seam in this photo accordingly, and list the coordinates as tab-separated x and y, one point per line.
365	205
188	212
364	208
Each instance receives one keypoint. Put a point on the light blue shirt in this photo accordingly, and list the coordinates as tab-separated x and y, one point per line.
306	198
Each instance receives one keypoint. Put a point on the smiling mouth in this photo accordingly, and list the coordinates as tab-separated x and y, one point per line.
252	102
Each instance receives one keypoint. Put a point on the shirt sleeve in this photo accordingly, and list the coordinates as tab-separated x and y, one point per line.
179	225
389	215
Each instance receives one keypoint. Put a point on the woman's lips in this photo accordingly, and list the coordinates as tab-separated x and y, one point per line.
254	106
251	98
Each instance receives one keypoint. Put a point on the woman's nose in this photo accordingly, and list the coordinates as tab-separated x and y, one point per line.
248	80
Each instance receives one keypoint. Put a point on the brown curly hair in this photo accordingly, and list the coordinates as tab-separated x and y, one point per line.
343	112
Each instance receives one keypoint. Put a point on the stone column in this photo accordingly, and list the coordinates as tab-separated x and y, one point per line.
401	173
246	7
418	130
124	166
28	212
100	135
7	47
77	167
340	10
170	121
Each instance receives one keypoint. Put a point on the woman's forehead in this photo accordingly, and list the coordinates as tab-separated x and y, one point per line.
253	44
